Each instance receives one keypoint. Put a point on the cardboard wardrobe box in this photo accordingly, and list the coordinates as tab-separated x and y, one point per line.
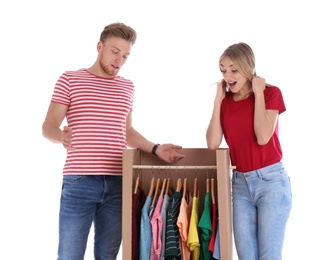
200	164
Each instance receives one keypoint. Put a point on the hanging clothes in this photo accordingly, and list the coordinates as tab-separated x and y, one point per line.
150	194
145	231
165	204
183	225
145	226
217	250
214	227
138	200
213	216
156	224
172	249
206	229
193	241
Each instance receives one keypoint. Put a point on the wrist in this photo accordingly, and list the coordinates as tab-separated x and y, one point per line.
218	100
155	148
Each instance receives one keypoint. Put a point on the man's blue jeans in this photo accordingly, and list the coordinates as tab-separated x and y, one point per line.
87	199
262	201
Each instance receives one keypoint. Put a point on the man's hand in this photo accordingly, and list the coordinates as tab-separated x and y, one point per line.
66	137
168	153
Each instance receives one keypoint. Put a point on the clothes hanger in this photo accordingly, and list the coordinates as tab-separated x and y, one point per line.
169	188
164	184
179	185
195	187
137	186
213	190
184	187
207	185
156	191
151	187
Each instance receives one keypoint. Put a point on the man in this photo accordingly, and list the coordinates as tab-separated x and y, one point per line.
97	104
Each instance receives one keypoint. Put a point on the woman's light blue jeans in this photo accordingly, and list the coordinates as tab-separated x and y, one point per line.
87	199
262	201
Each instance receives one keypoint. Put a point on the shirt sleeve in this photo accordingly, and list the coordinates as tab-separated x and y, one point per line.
61	90
274	99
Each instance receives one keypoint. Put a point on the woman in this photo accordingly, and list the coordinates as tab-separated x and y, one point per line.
246	111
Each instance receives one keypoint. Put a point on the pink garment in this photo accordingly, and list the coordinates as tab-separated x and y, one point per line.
156	224
183	224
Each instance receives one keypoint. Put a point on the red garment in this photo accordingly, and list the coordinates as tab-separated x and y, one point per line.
237	120
97	112
214	227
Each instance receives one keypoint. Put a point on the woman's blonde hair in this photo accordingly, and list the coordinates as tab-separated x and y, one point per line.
242	57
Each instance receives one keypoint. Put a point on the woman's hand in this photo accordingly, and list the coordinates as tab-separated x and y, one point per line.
220	90
258	84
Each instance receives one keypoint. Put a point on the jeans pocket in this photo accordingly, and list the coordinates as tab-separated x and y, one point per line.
273	176
72	178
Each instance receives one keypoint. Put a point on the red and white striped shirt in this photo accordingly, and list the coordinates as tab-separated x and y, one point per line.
97	111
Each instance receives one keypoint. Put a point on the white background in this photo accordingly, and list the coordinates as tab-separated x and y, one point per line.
173	65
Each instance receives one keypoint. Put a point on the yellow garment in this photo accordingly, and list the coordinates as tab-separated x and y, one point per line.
193	236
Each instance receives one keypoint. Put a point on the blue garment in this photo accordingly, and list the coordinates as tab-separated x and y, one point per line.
262	201
86	199
145	231
217	249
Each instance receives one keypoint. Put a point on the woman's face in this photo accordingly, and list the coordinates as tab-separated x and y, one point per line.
231	75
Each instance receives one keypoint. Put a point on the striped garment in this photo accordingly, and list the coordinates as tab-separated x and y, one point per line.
97	112
172	243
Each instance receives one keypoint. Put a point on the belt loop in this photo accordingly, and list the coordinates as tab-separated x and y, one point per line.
259	173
